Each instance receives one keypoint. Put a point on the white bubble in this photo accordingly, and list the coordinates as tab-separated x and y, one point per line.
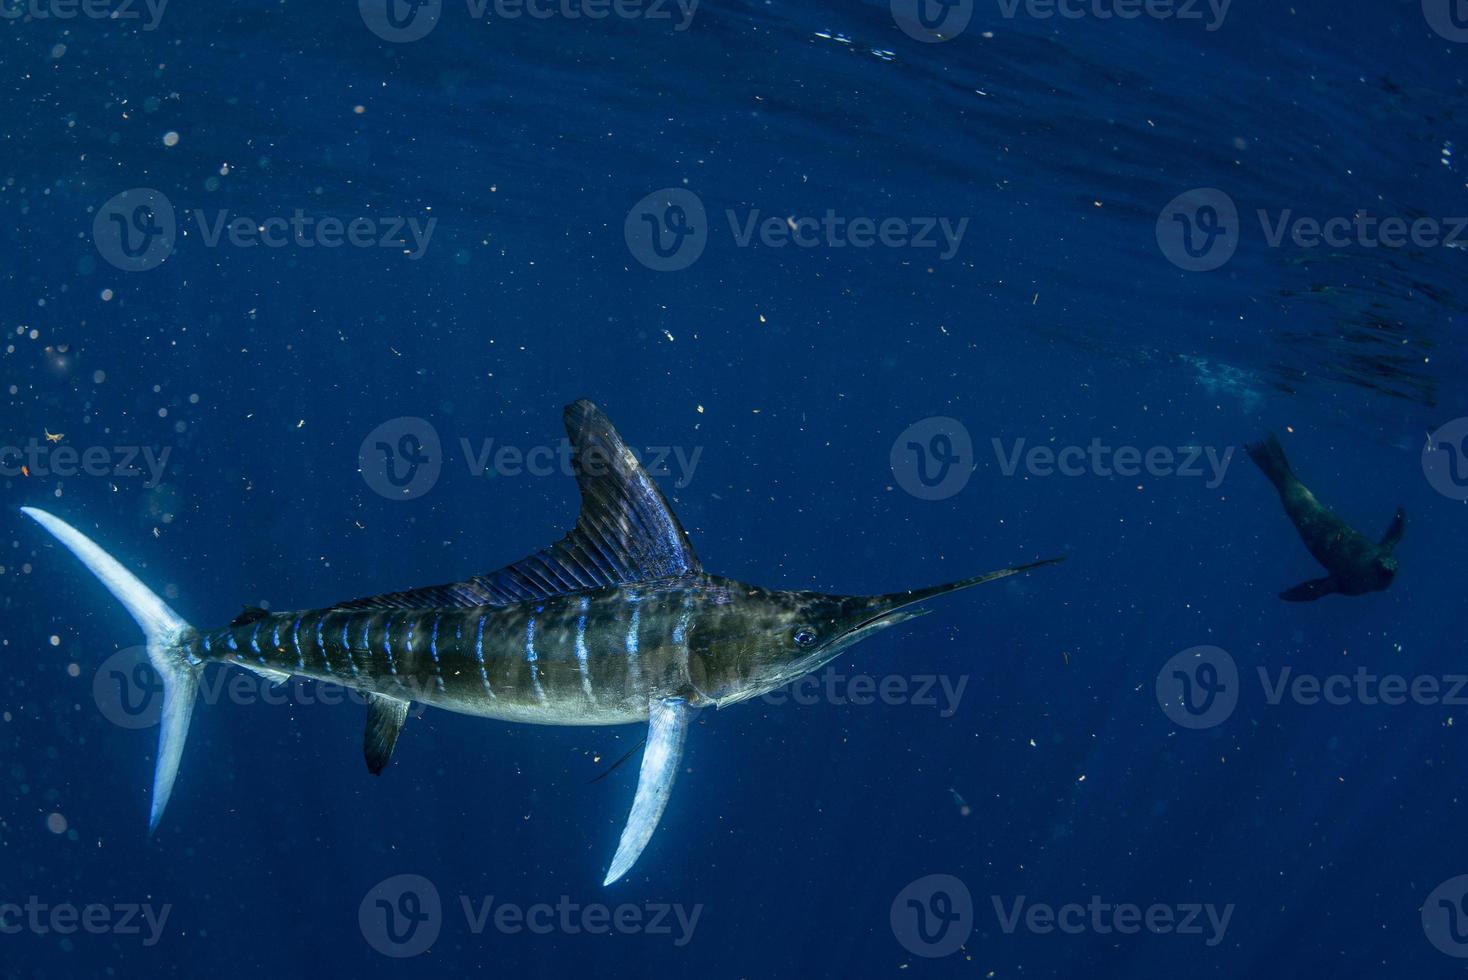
170	138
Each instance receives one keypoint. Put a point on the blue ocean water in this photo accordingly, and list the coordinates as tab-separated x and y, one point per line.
1039	227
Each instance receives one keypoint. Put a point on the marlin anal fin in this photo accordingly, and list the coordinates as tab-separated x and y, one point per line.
385	718
626	532
1309	591
1393	534
667	727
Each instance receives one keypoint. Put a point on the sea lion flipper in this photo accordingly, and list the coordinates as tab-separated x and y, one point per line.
1309	591
1394	533
1270	457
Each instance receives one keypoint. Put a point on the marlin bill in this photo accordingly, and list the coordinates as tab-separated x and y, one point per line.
616	623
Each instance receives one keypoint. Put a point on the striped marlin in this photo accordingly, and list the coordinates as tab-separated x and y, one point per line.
616	623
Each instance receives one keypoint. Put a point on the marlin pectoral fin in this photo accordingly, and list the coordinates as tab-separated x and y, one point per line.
1309	591
667	727
385	718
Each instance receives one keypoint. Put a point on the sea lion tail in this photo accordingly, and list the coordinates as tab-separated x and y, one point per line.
1270	457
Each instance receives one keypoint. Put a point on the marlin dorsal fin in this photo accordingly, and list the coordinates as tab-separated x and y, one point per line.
626	533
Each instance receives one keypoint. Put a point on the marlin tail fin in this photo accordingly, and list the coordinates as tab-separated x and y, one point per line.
164	630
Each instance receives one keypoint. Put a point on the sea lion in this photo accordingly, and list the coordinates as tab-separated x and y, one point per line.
1356	565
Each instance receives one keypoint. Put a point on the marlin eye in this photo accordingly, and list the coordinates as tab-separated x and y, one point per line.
805	636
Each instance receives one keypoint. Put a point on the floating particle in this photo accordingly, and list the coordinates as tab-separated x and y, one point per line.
56	823
98	377
106	295
73	670
55	640
170	138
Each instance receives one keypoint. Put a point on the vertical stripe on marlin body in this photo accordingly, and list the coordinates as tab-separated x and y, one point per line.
616	623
